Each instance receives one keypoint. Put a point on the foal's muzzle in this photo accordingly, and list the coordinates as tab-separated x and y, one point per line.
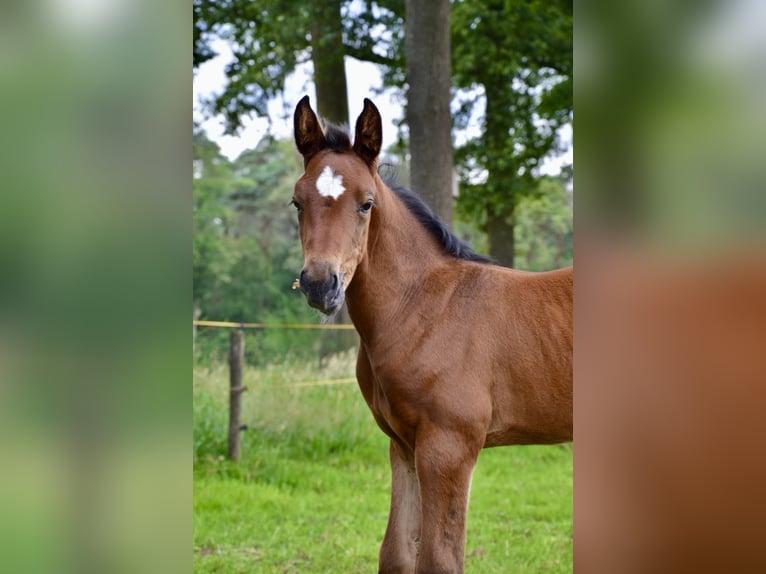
323	288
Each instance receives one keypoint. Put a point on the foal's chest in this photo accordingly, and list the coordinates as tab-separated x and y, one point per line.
392	409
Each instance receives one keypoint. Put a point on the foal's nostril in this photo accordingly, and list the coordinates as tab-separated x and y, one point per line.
334	280
303	273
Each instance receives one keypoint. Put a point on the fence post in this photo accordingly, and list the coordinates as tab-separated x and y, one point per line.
236	360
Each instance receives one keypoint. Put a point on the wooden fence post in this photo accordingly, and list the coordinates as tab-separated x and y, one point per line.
236	361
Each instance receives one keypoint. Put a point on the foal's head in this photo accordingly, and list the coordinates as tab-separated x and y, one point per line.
334	199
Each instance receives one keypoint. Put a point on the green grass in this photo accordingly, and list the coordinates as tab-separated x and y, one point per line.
311	491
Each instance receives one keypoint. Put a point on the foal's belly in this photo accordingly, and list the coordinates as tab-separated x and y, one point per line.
531	404
540	418
519	435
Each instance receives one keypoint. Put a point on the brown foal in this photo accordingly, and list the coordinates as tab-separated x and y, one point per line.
456	353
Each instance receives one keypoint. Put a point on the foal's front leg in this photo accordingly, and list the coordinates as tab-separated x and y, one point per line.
400	544
445	461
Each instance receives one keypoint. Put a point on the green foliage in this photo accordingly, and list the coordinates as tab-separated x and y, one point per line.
514	58
210	426
544	227
213	254
246	248
311	492
270	38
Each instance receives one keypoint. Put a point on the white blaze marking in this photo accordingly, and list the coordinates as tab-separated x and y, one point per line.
329	184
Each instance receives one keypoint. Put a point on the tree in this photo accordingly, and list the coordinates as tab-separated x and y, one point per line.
245	239
327	54
270	38
519	53
213	256
427	41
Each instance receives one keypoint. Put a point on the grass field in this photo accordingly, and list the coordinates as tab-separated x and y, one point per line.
311	491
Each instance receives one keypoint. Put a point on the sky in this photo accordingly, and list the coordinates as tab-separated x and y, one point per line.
364	81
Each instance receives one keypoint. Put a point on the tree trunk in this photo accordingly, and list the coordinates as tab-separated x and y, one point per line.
427	48
501	241
327	55
502	179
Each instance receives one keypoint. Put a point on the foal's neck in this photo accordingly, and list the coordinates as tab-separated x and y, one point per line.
400	255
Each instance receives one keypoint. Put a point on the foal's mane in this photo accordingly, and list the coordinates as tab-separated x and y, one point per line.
338	139
431	222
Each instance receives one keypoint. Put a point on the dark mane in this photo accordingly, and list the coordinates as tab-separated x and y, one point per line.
428	219
337	138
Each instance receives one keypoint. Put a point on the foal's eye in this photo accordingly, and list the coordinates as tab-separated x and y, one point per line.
297	205
365	207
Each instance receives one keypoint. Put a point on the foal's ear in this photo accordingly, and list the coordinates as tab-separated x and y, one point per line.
309	138
369	133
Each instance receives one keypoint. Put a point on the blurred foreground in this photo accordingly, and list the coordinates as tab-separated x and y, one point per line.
670	314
